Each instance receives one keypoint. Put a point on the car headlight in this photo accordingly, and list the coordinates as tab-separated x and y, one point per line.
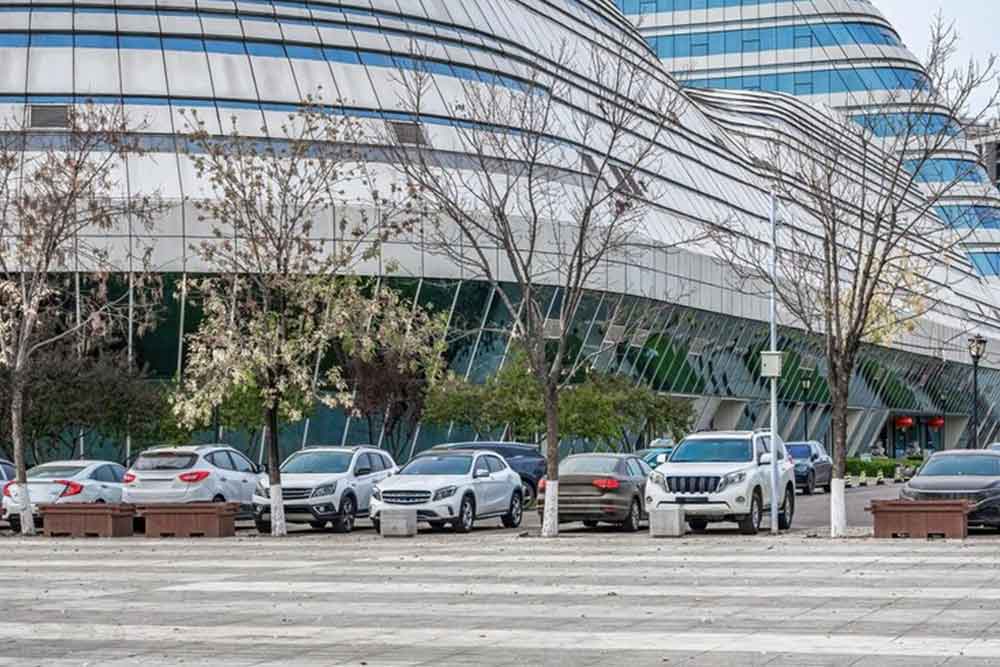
262	490
377	493
730	479
659	479
446	492
325	490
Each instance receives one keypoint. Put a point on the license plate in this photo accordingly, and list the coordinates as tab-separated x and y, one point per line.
692	501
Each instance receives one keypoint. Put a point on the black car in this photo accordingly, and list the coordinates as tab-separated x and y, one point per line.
972	475
813	466
526	460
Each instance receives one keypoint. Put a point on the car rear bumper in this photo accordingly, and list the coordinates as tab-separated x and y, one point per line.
134	496
591	508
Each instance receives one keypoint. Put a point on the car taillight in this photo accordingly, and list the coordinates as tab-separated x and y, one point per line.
606	484
193	477
541	485
6	489
72	488
128	478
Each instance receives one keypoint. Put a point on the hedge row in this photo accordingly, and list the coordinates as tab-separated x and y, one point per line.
887	466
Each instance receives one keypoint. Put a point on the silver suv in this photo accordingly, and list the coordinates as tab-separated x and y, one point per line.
724	476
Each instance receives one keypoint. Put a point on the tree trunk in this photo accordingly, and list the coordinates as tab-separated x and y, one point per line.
278	526
550	516
838	500
20	490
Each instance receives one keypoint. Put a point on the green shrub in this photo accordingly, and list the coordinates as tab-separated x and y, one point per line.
871	468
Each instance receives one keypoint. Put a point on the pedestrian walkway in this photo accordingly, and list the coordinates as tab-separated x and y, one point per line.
493	598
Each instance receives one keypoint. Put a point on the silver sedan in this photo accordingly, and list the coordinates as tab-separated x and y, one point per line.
66	482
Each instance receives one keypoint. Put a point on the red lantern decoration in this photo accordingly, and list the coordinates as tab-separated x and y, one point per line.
903	423
935	422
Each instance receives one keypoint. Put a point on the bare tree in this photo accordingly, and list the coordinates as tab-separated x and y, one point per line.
283	235
539	184
61	196
864	254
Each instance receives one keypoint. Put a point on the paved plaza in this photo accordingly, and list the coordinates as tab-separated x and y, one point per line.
498	598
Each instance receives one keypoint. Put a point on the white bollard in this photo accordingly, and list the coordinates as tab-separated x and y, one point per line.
667	521
398	523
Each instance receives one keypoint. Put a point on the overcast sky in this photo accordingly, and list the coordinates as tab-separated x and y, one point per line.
977	23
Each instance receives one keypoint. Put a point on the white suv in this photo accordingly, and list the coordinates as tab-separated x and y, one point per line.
191	474
325	484
724	476
453	487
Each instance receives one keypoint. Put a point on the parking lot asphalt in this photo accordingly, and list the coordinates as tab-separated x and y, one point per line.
496	598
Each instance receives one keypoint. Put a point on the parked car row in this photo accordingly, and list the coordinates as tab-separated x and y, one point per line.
715	477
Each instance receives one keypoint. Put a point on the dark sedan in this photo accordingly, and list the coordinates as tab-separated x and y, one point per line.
526	460
595	488
813	466
972	475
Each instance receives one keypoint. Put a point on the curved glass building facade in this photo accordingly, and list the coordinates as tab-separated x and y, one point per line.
667	317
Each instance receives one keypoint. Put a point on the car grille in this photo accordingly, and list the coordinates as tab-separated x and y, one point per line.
295	494
406	497
692	484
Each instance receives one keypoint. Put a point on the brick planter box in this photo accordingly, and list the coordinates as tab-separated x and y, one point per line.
921	519
87	520
190	519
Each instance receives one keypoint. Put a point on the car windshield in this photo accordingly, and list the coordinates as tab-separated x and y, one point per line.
165	461
438	465
55	472
800	451
600	465
318	463
957	466
728	450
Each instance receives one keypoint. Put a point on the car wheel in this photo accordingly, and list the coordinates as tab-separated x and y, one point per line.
345	522
810	485
826	487
528	495
15	523
750	523
218	499
512	519
377	525
787	510
590	523
698	525
466	516
263	527
631	523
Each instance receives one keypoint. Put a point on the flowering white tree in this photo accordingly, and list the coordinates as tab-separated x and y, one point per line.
61	195
282	296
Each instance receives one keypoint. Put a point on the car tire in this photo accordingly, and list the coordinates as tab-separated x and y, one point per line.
219	499
590	523
512	519
15	524
826	487
634	517
810	487
348	509
698	525
787	511
750	523
377	525
263	527
528	495
466	516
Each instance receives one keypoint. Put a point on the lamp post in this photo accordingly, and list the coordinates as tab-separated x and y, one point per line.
977	348
805	384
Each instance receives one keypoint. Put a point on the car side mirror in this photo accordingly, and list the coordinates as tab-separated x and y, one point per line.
361	472
481	474
765	459
661	458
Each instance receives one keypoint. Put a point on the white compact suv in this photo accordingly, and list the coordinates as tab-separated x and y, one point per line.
454	487
724	476
325	484
191	474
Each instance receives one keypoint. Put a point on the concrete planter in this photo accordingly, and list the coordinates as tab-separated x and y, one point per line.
87	520
190	519
921	519
398	522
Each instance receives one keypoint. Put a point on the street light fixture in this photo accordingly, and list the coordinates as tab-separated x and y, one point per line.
805	384
977	348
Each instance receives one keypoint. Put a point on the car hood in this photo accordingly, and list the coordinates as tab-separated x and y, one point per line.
703	469
954	483
421	482
305	480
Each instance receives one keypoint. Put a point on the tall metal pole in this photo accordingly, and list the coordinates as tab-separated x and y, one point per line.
774	380
975	402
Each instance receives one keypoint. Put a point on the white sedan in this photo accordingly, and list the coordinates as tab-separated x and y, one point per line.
66	482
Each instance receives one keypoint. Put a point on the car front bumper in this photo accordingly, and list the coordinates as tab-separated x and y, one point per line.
731	501
306	510
430	511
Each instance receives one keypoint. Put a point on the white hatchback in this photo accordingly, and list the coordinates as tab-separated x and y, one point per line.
453	487
191	474
325	484
66	482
